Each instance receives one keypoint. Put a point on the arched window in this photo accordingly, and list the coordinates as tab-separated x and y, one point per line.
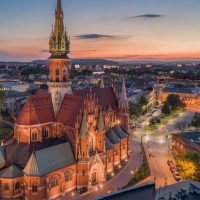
57	79
17	186
68	176
123	146
57	72
6	187
116	152
109	159
46	133
83	172
34	188
64	79
34	136
54	182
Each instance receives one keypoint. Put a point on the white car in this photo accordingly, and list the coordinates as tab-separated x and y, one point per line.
176	176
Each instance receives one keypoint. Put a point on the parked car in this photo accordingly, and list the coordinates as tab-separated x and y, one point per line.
169	162
172	169
176	176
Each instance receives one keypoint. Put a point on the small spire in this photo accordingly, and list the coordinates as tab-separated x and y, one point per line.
83	128
102	83
79	152
100	123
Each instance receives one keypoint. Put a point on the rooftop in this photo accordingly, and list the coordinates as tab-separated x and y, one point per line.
192	136
13	93
11	84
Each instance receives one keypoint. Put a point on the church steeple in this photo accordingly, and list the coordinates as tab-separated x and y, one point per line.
59	41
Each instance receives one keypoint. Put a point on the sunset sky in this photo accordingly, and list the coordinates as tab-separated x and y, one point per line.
111	29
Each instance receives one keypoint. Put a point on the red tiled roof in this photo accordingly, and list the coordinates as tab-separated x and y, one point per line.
37	110
42	91
70	109
105	96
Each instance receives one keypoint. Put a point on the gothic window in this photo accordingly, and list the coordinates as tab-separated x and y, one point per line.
6	187
54	182
57	71
46	133
110	117
116	152
34	188
123	146
17	186
68	176
34	136
91	145
57	79
83	172
109	159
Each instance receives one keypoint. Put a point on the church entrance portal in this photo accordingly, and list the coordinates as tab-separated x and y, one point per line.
94	177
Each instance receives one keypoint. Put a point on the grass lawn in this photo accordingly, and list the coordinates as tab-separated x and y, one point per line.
151	128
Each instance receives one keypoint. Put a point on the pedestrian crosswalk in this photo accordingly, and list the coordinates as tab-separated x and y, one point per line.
160	150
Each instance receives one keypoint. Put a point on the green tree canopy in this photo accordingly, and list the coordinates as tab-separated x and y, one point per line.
175	101
181	126
143	101
87	72
196	120
166	108
3	95
135	110
188	165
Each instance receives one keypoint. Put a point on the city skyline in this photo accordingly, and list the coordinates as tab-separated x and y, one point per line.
114	29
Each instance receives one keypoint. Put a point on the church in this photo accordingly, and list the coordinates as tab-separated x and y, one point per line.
64	139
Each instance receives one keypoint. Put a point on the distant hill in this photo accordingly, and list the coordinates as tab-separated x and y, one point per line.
82	61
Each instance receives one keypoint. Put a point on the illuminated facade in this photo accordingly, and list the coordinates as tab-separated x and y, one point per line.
64	139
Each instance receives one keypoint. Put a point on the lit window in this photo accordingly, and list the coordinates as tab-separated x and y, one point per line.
34	136
68	176
54	182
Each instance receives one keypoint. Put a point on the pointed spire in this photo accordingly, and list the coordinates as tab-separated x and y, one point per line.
83	128
59	7
123	90
102	83
79	152
100	123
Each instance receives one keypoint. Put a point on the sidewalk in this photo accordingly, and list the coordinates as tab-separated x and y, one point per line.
11	124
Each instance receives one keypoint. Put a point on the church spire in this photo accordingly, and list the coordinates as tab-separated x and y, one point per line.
102	83
59	41
123	101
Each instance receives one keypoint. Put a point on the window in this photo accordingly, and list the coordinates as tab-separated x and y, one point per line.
10	103
116	152
34	136
68	176
6	187
34	188
109	159
83	172
54	182
57	72
123	146
46	133
17	186
57	79
26	186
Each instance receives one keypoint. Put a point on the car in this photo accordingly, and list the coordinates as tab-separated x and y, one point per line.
172	169
169	162
176	176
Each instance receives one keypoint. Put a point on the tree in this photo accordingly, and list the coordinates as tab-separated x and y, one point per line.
175	101
181	126
152	121
135	110
166	109
143	101
188	165
196	120
3	95
87	72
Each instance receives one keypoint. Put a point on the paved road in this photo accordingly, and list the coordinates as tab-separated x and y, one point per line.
160	147
11	124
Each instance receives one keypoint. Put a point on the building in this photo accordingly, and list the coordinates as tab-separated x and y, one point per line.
15	86
64	139
14	102
183	142
188	95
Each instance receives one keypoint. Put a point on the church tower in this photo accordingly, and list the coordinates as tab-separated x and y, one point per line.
59	71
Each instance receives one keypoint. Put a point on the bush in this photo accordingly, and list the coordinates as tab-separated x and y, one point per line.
152	121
